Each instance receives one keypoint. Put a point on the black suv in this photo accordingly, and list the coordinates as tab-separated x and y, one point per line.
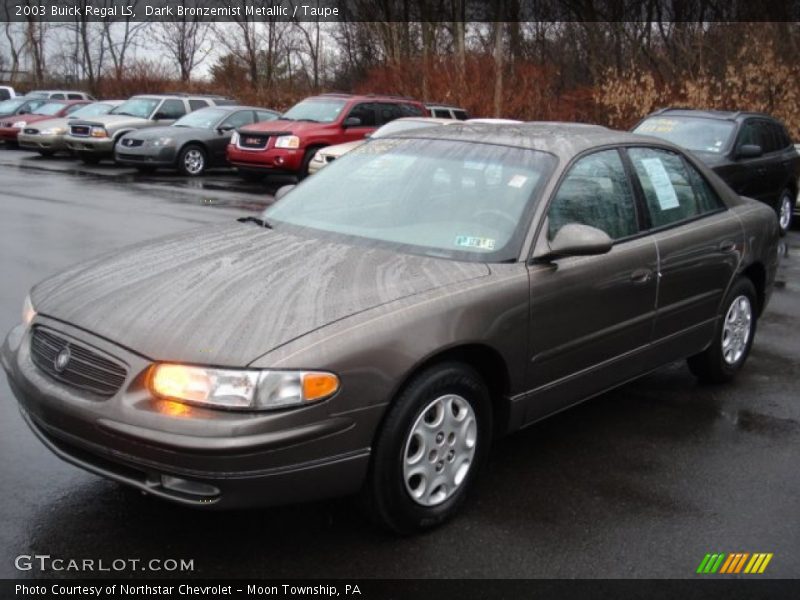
752	152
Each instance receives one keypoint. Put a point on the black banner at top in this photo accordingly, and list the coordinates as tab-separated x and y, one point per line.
400	10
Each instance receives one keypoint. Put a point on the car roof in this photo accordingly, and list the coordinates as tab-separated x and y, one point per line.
564	140
359	97
724	115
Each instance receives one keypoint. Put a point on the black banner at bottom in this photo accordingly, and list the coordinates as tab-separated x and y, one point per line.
406	589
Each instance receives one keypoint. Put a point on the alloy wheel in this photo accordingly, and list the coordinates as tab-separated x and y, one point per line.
736	329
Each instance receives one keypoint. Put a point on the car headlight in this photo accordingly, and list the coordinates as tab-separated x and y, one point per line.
28	312
287	141
98	132
235	137
19	124
161	142
242	389
54	131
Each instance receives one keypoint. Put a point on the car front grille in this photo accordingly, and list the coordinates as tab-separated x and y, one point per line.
83	368
253	141
31	131
80	130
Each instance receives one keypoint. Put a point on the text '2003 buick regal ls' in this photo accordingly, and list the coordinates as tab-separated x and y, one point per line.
374	329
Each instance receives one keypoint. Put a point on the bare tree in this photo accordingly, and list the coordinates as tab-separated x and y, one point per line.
183	41
121	36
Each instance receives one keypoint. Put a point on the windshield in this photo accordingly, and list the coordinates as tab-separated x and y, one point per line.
51	108
205	118
450	199
694	133
92	110
321	111
398	126
136	107
9	106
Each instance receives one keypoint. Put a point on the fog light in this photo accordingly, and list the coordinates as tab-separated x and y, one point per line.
279	160
187	486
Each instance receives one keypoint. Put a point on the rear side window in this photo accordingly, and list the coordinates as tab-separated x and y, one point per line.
441	113
595	192
57	97
411	110
239	119
198	104
388	112
673	190
75	96
172	109
461	115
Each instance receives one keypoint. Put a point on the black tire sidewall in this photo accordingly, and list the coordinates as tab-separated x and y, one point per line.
391	504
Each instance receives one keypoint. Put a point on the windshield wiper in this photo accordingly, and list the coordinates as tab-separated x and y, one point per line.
127	114
309	120
256	220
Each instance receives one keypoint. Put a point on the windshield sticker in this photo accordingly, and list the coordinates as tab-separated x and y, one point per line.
481	243
517	181
656	126
667	198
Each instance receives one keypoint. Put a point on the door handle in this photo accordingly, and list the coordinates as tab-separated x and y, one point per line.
727	246
640	276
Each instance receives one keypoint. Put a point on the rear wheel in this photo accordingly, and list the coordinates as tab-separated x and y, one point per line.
785	210
429	449
733	337
192	160
145	169
251	176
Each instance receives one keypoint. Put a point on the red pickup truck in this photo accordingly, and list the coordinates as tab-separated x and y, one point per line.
287	145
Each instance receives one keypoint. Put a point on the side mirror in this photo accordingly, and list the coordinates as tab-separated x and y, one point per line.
750	151
282	191
574	239
352	122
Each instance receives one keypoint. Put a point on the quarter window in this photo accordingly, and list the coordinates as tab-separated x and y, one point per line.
673	190
596	192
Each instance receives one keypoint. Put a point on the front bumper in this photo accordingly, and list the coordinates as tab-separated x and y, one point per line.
147	155
189	455
271	160
89	145
51	143
9	134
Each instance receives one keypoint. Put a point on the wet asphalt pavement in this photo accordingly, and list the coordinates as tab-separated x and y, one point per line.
640	482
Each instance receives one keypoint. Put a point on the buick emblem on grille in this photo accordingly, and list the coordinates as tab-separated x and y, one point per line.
62	359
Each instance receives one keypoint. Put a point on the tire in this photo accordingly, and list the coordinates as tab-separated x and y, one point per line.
192	160
733	336
145	169
307	158
46	153
784	210
448	403
251	176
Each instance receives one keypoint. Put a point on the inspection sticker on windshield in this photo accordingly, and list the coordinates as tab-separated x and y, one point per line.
468	241
667	198
517	181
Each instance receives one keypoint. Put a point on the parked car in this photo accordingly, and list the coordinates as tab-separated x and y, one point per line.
330	153
447	111
286	146
752	152
59	95
19	106
10	129
47	137
94	139
379	324
193	143
7	92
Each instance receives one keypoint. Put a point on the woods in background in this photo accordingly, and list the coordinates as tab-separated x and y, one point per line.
609	72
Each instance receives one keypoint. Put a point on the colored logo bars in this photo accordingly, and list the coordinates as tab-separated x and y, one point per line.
738	562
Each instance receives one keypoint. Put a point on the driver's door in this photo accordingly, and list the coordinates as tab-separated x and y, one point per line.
590	315
365	113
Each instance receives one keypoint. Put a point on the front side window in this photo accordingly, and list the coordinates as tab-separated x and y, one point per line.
441	113
205	118
450	199
197	104
171	109
595	192
388	113
239	119
365	112
669	187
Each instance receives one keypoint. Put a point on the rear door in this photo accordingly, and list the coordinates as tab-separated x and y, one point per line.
590	315
699	245
753	177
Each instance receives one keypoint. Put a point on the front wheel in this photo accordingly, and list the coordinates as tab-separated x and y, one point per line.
192	161
785	210
733	336
429	449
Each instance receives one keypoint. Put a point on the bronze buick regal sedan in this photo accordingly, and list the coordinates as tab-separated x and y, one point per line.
374	329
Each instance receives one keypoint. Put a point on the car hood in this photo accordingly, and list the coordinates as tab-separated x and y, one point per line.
53	122
282	125
340	149
152	133
225	295
31	118
110	120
